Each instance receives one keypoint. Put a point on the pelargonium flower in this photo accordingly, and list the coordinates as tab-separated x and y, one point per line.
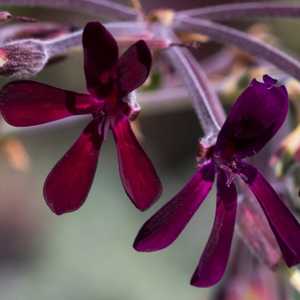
253	120
109	81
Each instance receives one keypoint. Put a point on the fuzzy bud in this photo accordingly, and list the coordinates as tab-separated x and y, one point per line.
23	58
5	16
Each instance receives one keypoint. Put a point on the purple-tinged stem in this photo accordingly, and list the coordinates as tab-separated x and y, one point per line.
225	34
203	96
93	7
120	30
209	91
124	32
238	10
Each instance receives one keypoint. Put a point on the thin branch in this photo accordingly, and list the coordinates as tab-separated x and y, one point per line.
204	112
208	89
44	30
120	30
225	34
93	7
196	82
241	10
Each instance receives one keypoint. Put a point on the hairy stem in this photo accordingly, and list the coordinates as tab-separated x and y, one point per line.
93	7
120	30
203	96
224	34
238	10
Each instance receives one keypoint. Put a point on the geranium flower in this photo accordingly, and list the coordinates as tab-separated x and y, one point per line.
109	80
253	120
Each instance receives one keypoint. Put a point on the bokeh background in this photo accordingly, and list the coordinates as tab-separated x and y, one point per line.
88	254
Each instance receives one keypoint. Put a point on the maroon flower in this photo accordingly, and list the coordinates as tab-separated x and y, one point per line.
253	120
109	81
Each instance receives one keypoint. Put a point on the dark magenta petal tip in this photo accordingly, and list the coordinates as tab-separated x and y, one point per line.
165	226
269	80
200	283
139	246
213	261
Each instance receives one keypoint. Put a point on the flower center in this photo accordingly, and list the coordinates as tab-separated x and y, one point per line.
229	166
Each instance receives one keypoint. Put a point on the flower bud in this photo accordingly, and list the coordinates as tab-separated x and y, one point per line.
23	58
5	16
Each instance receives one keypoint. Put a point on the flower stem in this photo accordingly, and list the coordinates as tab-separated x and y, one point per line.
205	101
93	7
224	34
132	30
238	10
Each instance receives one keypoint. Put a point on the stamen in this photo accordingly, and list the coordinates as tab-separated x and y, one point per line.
230	179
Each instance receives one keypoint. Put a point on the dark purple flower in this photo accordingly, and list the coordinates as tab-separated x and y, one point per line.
253	120
109	81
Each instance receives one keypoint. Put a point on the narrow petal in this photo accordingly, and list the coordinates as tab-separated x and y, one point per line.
27	103
214	259
138	175
134	67
69	182
254	119
284	225
164	227
100	58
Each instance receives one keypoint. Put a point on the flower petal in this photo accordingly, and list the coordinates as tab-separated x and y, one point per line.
100	58
69	182
165	226
254	119
284	225
134	67
213	262
27	103
138	175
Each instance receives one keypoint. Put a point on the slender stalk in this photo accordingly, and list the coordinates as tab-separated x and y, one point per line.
62	44
204	111
209	91
196	82
93	7
225	34
120	30
238	10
